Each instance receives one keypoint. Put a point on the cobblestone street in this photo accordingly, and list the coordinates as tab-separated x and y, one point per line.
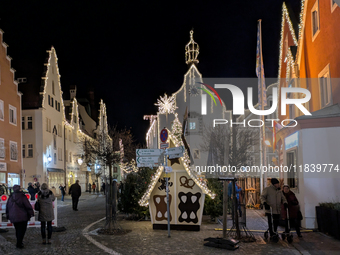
91	208
144	240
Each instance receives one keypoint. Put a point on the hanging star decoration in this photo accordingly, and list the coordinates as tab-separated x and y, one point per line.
166	104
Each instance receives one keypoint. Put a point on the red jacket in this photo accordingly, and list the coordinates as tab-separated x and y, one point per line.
293	206
18	208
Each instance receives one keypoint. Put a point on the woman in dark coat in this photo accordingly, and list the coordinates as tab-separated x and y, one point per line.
19	211
293	208
46	213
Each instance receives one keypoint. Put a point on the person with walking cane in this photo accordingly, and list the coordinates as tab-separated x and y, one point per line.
272	199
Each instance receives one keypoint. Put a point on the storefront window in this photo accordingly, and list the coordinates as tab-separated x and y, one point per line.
2	177
13	179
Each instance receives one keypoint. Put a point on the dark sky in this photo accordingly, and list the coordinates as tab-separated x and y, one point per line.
133	52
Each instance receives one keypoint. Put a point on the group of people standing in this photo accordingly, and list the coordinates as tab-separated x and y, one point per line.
277	202
92	187
19	211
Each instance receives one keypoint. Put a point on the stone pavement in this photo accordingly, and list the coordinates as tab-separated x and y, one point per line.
91	208
144	240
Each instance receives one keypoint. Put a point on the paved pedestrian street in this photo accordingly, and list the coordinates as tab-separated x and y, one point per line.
144	240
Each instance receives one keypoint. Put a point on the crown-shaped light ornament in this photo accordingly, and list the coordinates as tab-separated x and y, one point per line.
191	50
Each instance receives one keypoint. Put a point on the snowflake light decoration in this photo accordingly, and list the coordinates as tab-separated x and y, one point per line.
166	104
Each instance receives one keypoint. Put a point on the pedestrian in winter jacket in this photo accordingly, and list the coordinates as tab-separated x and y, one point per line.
272	198
94	188
75	192
293	209
63	192
19	211
31	190
46	212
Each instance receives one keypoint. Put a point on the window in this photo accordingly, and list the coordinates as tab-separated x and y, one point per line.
60	154
325	87
23	123
53	87
48	125
1	110
115	169
70	157
29	122
192	125
30	150
58	107
2	149
12	115
66	156
55	158
292	176
52	102
197	154
55	142
23	151
315	20
49	100
59	130
14	150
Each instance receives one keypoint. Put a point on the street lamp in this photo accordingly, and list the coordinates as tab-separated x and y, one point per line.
267	143
49	158
80	161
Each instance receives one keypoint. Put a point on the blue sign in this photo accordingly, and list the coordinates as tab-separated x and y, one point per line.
292	141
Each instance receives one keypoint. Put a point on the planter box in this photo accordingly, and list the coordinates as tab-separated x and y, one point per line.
328	221
319	218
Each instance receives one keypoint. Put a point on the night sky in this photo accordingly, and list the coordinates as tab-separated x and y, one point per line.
133	52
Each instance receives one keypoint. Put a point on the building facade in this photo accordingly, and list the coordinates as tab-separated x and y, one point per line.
309	52
11	170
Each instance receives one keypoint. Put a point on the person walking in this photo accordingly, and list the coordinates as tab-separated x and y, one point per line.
238	190
19	211
273	198
31	190
103	187
75	192
46	212
293	210
63	192
94	188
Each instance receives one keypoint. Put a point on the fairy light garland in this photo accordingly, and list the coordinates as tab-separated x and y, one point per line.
285	17
175	137
151	129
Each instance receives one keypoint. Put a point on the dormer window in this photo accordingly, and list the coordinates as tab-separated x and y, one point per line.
53	92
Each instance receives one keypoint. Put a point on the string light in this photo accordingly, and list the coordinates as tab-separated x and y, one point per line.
285	17
151	129
175	137
166	104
